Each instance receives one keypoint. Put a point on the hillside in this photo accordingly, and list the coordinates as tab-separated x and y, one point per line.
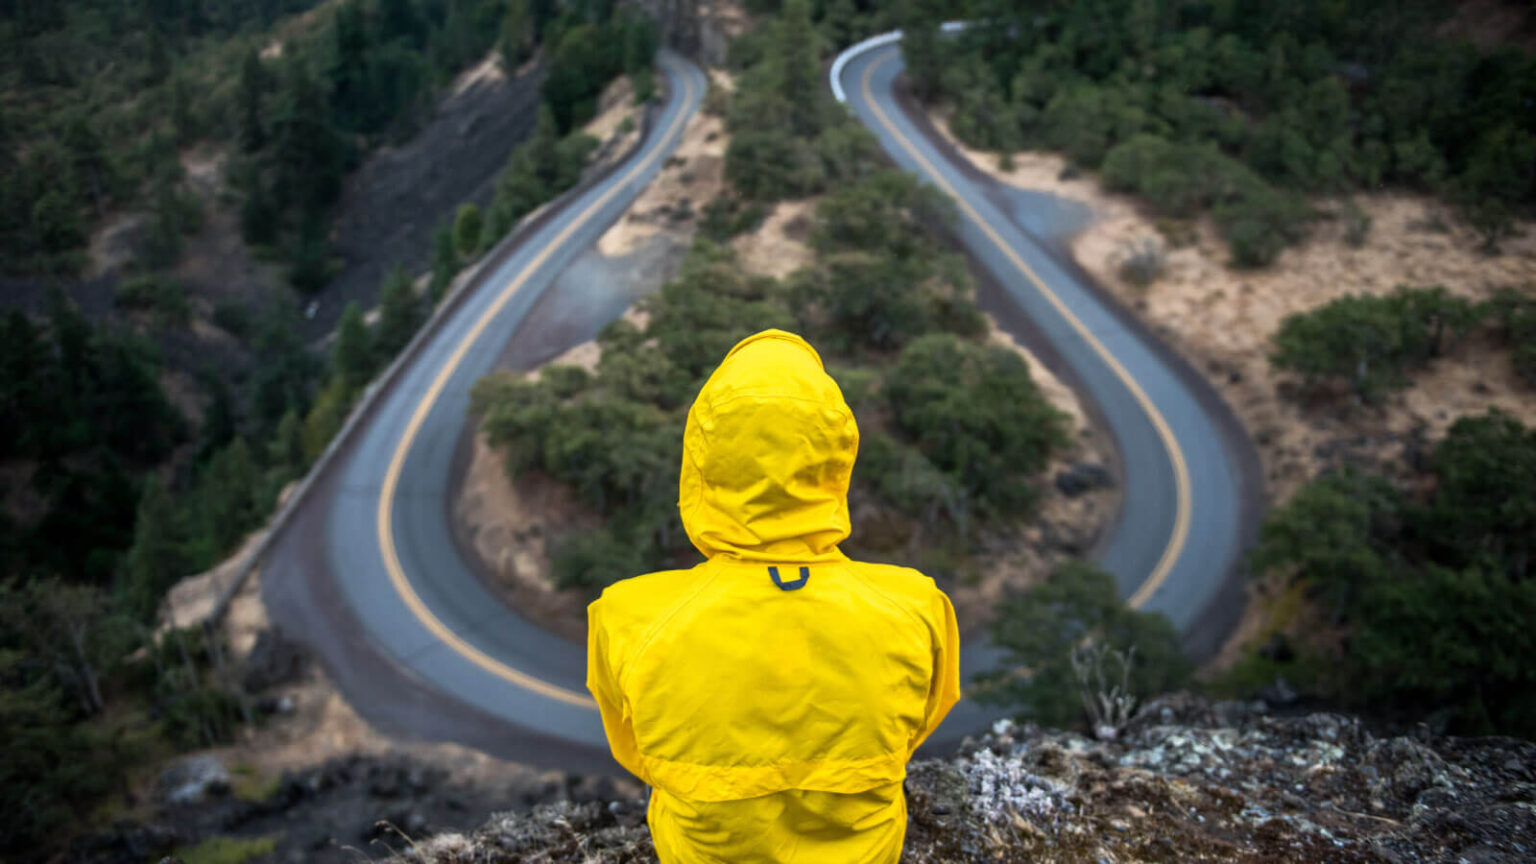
1187	780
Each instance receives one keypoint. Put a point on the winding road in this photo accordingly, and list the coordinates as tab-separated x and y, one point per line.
366	569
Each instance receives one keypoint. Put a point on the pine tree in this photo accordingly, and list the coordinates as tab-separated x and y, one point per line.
155	560
288	445
800	72
253	88
399	314
467	228
445	260
352	360
517	31
229	487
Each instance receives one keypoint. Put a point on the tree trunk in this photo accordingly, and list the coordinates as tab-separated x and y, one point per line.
87	670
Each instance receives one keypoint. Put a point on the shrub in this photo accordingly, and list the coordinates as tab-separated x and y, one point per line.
1142	261
1371	342
1454	563
1040	629
1515	314
974	411
467	228
165	299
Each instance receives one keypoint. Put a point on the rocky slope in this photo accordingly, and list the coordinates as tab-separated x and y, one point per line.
1187	780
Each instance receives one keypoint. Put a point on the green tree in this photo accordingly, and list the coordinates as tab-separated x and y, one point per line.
799	57
445	261
1337	534
1475	674
1515	314
975	412
229	496
253	86
517	35
325	418
1076	606
306	153
400	314
354	357
1483	510
287	450
309	256
467	229
51	772
155	560
1371	342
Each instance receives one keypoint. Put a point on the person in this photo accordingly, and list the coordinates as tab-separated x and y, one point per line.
772	695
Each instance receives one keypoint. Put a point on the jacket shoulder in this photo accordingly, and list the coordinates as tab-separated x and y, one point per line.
637	602
913	589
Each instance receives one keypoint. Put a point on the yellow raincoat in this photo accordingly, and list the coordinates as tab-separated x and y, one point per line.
773	694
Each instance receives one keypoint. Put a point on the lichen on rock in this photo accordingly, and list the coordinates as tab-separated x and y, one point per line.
1187	780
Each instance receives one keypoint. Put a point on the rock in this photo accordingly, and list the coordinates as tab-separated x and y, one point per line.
1279	692
274	659
1082	477
193	780
124	842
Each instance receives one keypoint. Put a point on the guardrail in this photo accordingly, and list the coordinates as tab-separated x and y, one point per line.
854	50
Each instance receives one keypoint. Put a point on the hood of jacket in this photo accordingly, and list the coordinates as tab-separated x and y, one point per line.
768	451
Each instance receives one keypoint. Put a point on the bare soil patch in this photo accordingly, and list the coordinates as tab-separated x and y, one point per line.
671	205
780	245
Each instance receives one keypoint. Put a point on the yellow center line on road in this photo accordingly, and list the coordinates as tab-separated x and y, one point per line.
397	576
1181	518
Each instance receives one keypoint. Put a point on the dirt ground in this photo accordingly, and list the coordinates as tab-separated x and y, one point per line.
778	247
671	204
1222	319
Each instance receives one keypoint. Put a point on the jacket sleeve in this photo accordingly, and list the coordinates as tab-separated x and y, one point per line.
944	687
603	683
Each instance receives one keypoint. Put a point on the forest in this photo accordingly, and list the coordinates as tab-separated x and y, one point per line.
114	490
1241	109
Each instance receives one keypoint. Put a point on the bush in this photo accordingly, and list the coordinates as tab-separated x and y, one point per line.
467	228
163	298
1516	317
1455	563
974	411
1371	342
1040	629
1142	262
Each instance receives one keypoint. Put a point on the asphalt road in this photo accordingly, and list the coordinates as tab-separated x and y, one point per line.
368	572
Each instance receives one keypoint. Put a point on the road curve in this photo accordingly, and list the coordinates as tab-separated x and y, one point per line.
367	571
1189	475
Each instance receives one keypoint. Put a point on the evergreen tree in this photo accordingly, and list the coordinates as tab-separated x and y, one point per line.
467	229
445	260
155	560
219	421
517	34
399	314
800	66
228	491
288	444
353	357
325	418
253	87
306	153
